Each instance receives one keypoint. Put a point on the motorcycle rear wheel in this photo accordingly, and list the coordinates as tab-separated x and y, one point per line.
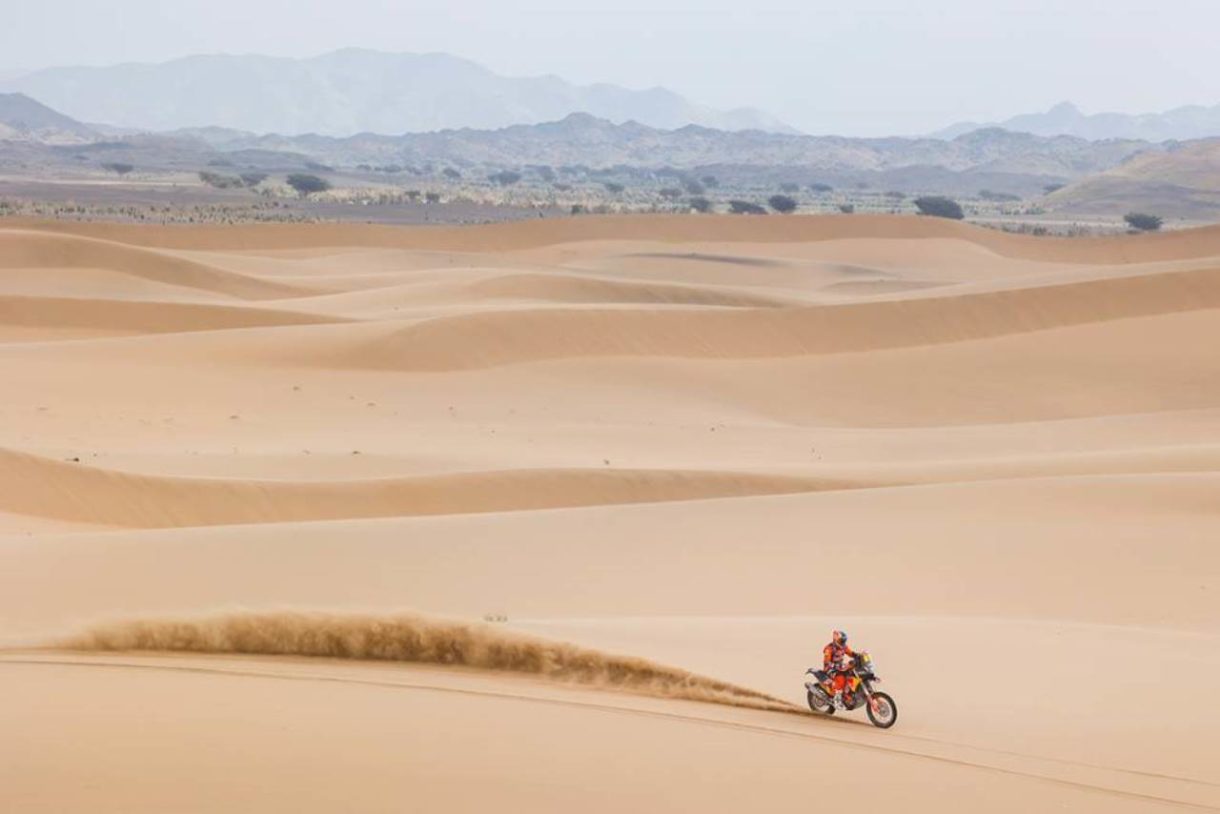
817	704
886	713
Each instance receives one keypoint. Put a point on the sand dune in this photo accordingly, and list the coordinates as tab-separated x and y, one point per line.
695	441
508	337
417	735
461	291
82	493
592	290
26	249
141	317
687	230
1008	549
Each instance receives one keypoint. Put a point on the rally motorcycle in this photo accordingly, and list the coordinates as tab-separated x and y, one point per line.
857	692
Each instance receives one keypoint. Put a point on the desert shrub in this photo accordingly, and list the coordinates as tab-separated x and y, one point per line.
700	204
847	209
545	173
219	180
784	204
1143	222
432	197
614	188
318	167
253	179
895	195
938	206
745	208
670	193
790	187
306	184
1001	197
118	167
450	172
710	181
821	188
505	178
412	194
1049	188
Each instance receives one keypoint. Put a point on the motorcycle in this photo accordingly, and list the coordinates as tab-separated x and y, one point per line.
857	692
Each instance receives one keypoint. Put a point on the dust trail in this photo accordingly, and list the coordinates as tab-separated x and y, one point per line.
416	638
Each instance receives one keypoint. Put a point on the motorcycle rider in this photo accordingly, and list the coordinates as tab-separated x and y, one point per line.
837	658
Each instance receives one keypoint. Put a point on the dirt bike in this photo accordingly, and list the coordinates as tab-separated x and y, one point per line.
857	692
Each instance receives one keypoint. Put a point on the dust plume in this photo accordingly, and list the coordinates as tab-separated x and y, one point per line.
416	638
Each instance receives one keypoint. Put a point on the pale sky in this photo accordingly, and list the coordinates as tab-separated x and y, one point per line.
854	67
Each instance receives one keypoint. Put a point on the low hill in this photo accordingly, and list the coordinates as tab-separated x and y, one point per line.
25	119
1181	182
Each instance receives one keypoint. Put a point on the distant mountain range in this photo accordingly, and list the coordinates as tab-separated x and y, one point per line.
351	91
1110	176
582	139
25	119
1179	124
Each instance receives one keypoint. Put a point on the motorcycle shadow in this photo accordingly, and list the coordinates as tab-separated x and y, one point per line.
839	718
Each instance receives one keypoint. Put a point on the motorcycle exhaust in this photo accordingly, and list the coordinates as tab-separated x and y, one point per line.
815	687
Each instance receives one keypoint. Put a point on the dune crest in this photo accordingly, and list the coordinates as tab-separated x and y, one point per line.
30	249
37	486
473	340
144	317
419	639
678	229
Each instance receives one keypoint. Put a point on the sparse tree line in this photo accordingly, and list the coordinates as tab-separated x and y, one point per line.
305	184
222	181
632	189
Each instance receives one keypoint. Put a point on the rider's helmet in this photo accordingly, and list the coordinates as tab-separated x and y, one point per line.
839	637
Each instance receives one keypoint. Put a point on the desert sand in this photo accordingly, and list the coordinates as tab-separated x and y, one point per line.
654	444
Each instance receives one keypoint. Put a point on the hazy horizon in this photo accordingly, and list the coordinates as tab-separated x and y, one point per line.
881	68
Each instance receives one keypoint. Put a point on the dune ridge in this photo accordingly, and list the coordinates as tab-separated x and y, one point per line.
506	337
37	486
533	234
588	289
416	638
146	317
34	249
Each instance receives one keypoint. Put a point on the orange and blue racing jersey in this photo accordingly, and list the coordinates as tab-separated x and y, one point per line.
833	656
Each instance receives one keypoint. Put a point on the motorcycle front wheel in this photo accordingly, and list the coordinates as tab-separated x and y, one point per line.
882	711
